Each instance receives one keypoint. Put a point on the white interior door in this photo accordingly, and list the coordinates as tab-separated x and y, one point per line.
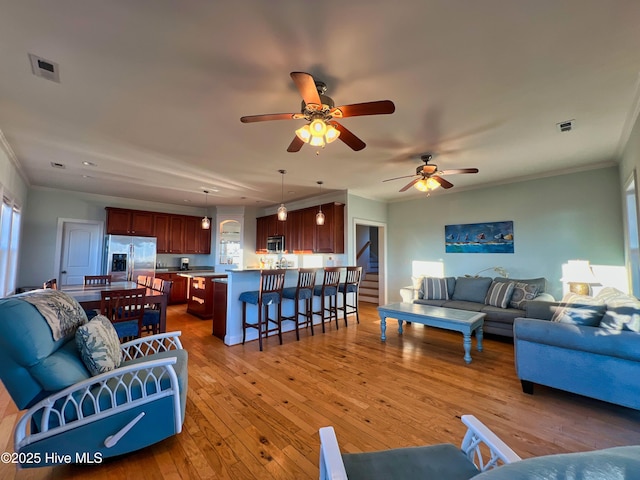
80	252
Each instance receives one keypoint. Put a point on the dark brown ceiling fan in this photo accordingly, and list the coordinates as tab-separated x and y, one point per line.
321	113
428	177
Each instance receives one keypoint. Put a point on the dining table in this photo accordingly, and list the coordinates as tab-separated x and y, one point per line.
90	297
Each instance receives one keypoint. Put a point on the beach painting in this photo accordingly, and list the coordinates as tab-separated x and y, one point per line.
492	237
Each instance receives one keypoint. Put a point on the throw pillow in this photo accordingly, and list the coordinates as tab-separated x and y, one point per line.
586	315
418	292
499	294
435	288
522	292
99	345
471	289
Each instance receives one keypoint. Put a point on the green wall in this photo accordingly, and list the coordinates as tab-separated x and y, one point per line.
573	216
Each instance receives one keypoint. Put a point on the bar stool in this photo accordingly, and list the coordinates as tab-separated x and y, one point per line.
351	285
271	285
302	291
328	291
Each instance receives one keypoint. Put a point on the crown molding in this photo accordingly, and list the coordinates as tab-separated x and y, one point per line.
6	148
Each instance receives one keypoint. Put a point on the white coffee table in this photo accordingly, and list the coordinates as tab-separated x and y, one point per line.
447	318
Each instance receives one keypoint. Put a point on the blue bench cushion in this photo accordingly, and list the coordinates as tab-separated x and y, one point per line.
329	291
252	297
290	292
433	462
350	288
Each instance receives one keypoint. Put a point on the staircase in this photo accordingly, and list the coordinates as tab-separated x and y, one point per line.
369	288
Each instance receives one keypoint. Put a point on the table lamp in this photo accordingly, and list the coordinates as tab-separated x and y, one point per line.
578	274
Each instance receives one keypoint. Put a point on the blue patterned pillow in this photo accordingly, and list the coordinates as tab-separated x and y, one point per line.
99	345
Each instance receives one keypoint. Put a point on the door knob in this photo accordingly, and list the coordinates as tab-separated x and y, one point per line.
63	271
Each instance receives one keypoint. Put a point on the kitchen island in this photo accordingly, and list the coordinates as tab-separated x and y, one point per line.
200	295
242	280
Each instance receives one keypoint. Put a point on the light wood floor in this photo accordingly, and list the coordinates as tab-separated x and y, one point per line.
254	414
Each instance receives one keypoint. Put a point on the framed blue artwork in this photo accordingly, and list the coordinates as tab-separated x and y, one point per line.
492	237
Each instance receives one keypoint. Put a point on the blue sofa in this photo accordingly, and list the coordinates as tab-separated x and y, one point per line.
588	346
470	293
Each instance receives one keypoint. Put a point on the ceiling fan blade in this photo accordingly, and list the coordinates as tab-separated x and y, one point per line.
398	178
349	138
409	185
307	87
458	170
295	145
443	183
380	107
268	116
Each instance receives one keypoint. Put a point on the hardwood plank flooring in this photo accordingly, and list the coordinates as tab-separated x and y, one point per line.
255	415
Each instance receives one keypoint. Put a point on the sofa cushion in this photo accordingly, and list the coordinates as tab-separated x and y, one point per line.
432	462
499	294
471	289
434	288
620	463
573	300
592	340
464	305
522	293
501	315
99	345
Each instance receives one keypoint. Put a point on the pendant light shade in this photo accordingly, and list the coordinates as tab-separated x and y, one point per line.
318	133
205	222
320	215
282	210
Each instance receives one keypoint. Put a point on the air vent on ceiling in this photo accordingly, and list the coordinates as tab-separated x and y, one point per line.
566	126
44	68
58	165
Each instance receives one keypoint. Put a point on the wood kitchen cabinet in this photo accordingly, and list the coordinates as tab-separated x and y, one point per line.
161	232
179	287
220	308
301	232
176	234
330	236
200	301
121	221
191	234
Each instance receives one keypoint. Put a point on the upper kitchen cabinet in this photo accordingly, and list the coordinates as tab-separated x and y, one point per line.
129	222
329	237
301	232
161	231
196	238
176	234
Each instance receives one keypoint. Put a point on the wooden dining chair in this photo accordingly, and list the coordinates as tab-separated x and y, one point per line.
157	284
125	309
151	317
142	280
97	279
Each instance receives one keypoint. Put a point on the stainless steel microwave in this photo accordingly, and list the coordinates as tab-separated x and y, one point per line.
275	244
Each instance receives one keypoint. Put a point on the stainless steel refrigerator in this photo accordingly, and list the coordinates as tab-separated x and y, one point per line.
127	257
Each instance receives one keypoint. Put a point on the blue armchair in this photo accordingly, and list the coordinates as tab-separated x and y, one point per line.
75	413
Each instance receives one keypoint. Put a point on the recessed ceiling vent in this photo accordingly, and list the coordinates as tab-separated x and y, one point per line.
566	126
44	68
58	165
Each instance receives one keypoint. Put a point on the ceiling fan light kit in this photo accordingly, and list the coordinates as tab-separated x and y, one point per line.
428	176
320	111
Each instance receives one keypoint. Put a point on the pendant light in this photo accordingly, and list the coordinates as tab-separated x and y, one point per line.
282	210
205	222
320	215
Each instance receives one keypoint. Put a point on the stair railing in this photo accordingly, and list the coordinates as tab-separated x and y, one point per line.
363	249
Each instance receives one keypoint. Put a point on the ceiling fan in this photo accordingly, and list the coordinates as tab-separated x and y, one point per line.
320	111
428	176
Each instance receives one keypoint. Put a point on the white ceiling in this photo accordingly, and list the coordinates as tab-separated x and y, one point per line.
152	92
